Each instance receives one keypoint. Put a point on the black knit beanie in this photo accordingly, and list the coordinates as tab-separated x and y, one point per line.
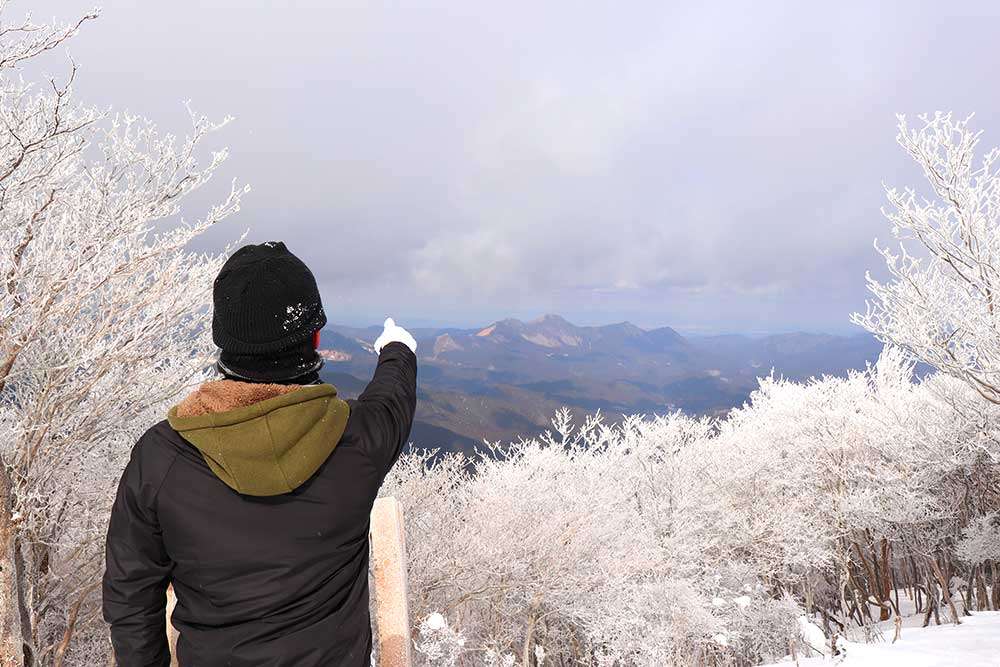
267	308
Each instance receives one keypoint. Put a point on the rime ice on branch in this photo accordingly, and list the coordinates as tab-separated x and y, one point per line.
675	541
101	314
942	302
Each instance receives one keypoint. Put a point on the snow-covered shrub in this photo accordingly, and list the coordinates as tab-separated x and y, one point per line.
941	299
980	541
577	540
673	541
438	642
493	658
762	629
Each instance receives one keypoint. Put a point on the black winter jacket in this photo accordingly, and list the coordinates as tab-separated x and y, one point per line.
263	581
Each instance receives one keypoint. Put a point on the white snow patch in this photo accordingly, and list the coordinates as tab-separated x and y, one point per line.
293	314
436	621
545	340
974	643
813	636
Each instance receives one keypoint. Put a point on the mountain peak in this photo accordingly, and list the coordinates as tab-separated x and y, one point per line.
502	330
625	326
550	318
555	331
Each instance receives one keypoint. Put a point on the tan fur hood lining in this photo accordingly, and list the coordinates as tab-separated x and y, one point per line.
225	395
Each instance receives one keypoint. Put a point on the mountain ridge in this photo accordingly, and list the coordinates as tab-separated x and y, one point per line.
506	379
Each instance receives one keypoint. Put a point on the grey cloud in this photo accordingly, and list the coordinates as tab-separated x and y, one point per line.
717	165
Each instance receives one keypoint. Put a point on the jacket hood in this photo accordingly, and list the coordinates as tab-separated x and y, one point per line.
262	439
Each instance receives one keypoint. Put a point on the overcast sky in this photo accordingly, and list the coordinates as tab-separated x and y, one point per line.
710	166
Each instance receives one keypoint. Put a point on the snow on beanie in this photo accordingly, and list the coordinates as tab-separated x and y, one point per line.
267	309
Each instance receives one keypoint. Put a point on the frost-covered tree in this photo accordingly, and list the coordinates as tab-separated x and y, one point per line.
942	301
675	541
588	545
980	541
979	547
101	312
438	642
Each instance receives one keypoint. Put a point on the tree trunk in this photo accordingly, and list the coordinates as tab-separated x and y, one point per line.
970	588
11	642
995	591
888	576
945	590
932	601
982	596
873	589
895	592
915	578
529	635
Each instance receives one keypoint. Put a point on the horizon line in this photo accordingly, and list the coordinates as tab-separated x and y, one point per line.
687	330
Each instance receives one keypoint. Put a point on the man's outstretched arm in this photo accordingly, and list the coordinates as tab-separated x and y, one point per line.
388	402
137	570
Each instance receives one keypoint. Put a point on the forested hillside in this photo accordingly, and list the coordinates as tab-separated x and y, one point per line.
677	540
505	380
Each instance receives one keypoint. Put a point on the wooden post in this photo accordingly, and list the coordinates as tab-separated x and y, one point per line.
389	569
171	631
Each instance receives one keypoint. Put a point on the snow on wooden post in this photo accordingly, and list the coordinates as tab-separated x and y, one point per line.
389	570
389	565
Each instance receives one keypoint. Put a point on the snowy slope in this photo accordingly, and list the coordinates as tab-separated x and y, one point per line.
975	643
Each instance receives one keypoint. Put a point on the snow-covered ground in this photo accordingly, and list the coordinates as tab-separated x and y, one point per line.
974	643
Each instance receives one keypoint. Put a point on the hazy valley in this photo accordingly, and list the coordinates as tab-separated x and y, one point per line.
505	380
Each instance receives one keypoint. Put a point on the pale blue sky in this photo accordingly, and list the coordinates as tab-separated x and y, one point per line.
710	166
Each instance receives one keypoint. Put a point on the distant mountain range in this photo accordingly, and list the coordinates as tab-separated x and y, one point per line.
506	380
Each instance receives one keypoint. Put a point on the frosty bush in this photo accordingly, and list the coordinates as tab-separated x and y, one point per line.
101	324
940	303
440	644
673	540
980	541
764	629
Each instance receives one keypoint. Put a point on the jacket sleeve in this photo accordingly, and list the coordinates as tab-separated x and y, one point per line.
137	568
387	404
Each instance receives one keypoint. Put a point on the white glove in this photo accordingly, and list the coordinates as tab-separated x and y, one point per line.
394	334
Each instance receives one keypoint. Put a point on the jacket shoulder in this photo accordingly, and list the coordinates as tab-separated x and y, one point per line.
154	454
158	440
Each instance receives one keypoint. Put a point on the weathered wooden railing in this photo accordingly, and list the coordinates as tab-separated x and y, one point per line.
388	558
392	615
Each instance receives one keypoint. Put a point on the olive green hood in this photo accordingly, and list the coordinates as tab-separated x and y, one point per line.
271	442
